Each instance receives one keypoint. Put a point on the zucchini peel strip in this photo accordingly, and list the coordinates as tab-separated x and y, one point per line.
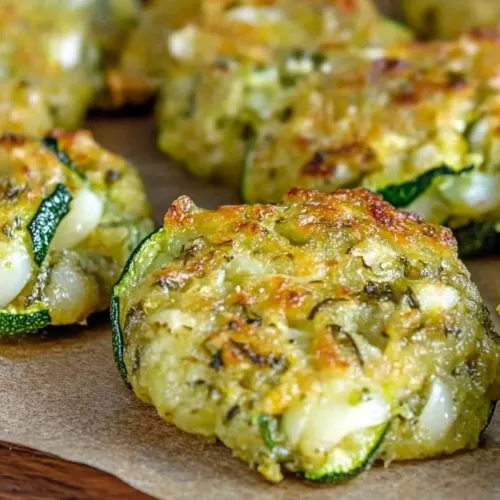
43	226
138	262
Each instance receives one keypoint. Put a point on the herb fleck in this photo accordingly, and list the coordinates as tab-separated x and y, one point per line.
217	362
233	411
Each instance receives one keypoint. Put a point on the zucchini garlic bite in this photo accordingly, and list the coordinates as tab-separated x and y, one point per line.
61	57
231	70
419	126
54	54
313	336
208	120
186	36
71	214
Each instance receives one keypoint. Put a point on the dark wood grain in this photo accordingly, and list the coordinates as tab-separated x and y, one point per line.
31	475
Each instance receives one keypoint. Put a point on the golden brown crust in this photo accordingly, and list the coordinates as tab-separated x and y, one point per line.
405	228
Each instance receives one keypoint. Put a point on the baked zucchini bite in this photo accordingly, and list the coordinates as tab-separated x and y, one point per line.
71	214
208	119
63	56
420	126
228	74
56	54
450	18
195	33
313	336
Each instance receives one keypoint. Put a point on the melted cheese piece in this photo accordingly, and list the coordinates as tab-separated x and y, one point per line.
439	413
15	271
255	15
68	293
67	51
472	194
84	216
435	297
379	257
181	43
174	318
323	419
243	264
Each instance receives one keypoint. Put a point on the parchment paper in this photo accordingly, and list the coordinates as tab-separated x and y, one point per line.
62	394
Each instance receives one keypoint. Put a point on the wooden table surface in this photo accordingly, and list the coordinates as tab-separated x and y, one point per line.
30	474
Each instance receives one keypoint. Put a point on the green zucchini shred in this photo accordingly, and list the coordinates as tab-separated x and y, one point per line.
114	310
51	144
43	226
332	474
489	418
401	195
477	238
13	324
267	426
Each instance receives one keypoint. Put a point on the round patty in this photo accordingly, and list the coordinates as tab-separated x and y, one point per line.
71	213
54	53
190	35
314	336
419	125
61	49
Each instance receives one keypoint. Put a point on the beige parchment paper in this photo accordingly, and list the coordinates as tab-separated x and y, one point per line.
62	394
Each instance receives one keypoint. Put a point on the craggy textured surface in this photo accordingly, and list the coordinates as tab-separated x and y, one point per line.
311	336
62	394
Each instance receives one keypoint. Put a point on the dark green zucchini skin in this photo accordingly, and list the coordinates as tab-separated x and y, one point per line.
44	224
52	144
123	282
341	477
266	424
268	428
401	195
14	324
478	239
490	416
114	310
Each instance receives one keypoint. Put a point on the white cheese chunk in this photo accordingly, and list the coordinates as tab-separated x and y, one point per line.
435	297
244	264
84	216
15	271
174	318
68	293
323	419
439	413
67	51
255	15
181	43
